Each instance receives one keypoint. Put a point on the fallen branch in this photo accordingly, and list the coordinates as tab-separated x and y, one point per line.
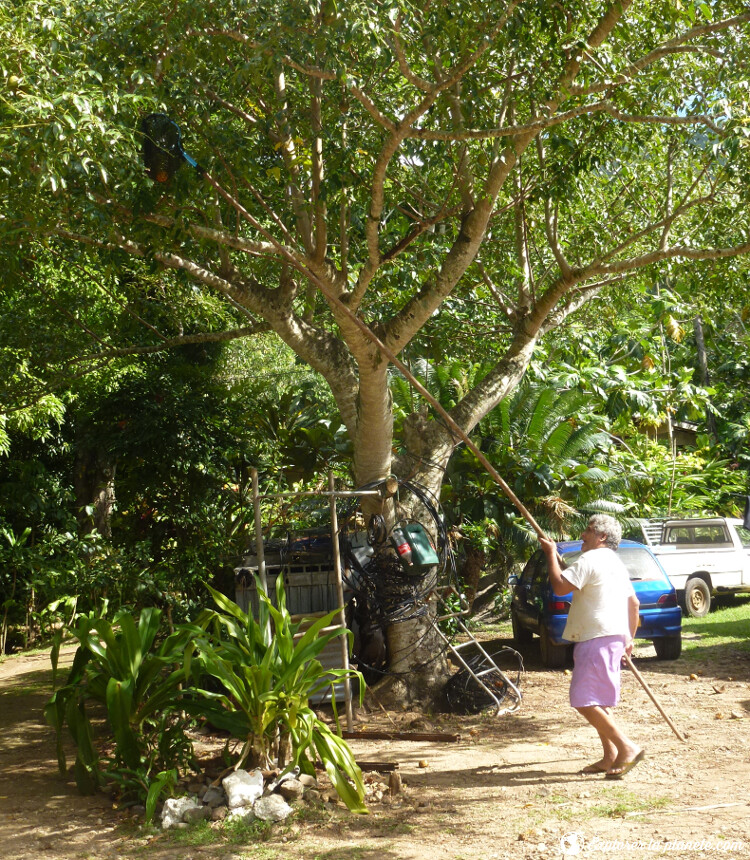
401	736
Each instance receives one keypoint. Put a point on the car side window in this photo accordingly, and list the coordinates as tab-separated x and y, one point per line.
678	536
714	534
527	576
640	564
540	566
744	536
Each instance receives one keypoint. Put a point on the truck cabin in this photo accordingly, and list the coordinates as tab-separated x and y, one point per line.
697	535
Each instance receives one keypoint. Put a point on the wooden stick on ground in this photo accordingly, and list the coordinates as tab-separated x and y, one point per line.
653	698
402	736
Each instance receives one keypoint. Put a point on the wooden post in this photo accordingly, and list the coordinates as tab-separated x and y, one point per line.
259	553
344	639
259	534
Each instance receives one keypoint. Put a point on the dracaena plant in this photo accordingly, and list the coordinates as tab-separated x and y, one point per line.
268	669
121	665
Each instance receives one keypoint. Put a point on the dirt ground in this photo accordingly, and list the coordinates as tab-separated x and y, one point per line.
510	788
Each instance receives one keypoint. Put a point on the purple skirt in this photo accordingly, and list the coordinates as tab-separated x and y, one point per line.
596	672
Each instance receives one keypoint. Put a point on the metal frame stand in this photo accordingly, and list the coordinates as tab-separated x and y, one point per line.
333	494
488	665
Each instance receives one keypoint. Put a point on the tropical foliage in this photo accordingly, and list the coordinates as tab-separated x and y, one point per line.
120	666
268	671
151	688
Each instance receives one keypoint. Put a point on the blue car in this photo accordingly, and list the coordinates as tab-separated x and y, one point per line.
535	609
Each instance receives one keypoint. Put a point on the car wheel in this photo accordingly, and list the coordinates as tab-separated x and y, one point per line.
521	635
668	647
697	597
553	656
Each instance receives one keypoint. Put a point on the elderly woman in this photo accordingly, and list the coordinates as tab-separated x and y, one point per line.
602	622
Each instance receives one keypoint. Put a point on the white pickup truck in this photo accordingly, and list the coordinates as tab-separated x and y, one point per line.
702	557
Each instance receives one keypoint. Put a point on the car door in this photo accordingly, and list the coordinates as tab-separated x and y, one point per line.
527	605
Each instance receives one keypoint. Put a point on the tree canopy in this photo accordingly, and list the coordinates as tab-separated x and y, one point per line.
449	171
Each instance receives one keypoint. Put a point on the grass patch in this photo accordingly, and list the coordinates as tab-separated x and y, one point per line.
239	832
353	852
497	629
200	833
610	803
726	627
234	831
621	801
28	689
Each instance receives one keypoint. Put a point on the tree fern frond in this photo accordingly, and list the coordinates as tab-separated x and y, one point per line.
596	475
585	439
605	506
556	443
540	417
402	394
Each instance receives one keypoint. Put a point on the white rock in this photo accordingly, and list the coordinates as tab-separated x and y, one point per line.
243	788
174	809
272	808
241	813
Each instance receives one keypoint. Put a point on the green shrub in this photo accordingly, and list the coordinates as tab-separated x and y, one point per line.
268	670
120	665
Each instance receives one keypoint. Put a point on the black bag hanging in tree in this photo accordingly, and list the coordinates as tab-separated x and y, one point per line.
162	147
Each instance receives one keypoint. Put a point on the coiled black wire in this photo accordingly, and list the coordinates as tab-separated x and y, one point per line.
392	594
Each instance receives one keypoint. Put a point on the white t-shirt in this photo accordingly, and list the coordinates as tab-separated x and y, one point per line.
600	607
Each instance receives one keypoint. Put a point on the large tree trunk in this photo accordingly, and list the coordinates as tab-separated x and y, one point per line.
417	659
94	483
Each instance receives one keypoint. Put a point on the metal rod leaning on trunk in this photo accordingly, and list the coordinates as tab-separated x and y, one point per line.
344	638
642	681
259	554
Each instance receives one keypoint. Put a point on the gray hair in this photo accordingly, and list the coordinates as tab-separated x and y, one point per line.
607	526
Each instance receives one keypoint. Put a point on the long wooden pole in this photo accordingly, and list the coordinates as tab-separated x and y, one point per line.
344	638
260	555
455	429
459	432
653	698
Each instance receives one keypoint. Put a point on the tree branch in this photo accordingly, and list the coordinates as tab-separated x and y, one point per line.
671	46
171	343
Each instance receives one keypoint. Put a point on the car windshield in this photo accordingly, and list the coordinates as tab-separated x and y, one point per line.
640	564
